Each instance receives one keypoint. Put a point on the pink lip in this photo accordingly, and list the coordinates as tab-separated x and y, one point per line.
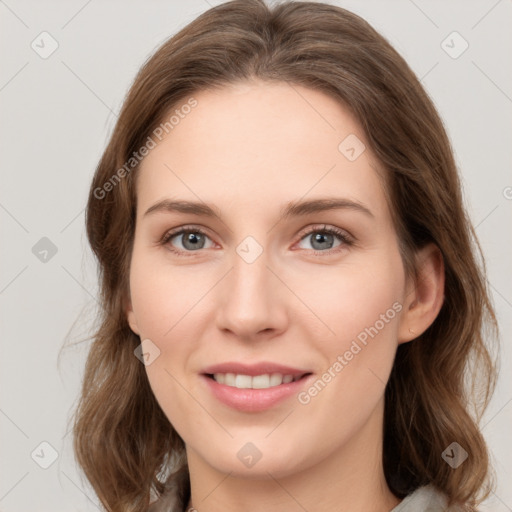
254	400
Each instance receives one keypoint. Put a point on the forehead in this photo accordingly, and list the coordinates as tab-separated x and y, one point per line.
261	143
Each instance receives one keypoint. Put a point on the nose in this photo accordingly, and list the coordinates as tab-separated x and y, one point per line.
252	301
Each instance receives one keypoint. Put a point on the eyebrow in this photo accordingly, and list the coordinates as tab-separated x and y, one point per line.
291	209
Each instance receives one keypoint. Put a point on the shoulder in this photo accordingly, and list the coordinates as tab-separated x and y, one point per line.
426	499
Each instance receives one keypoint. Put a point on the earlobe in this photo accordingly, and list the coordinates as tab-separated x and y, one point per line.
425	295
132	320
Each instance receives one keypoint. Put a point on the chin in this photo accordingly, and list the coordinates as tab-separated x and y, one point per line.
260	460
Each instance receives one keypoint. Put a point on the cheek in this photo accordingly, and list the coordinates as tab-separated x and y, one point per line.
169	305
164	299
163	296
346	300
366	304
362	307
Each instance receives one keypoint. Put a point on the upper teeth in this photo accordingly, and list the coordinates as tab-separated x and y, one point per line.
255	382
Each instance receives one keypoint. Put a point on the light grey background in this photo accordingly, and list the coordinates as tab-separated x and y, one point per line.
57	114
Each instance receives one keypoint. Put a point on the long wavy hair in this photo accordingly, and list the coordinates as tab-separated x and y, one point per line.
440	384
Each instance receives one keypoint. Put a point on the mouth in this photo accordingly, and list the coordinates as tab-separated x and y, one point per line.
263	381
256	387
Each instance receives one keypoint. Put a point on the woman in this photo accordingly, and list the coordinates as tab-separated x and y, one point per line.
291	294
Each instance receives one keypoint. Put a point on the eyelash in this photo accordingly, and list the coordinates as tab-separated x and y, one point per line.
331	230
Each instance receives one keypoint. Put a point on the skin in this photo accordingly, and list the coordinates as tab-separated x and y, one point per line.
249	149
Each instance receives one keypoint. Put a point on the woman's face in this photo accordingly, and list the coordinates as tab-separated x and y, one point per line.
258	288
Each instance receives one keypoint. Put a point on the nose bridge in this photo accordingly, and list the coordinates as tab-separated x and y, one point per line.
250	280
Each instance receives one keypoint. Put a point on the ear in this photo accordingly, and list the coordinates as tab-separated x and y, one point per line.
424	295
132	320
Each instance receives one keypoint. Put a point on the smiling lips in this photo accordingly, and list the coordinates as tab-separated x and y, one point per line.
241	381
253	388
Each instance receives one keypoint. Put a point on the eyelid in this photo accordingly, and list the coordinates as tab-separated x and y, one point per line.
171	233
328	228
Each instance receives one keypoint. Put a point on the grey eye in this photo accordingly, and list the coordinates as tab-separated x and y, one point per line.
190	240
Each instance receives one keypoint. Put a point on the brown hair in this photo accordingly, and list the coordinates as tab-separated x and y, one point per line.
439	385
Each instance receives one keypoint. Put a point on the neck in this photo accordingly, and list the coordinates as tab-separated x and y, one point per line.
349	479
